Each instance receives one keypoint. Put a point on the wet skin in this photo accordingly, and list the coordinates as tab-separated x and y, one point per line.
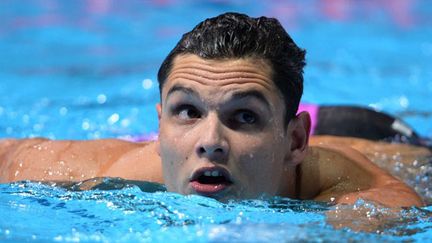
227	116
224	117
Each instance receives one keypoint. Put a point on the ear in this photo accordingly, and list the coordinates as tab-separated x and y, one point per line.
159	112
298	130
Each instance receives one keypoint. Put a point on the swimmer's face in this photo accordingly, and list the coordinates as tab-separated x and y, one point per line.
222	130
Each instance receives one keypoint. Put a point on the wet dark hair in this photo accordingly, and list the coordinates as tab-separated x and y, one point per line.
234	35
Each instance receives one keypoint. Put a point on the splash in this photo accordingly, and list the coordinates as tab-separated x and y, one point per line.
121	210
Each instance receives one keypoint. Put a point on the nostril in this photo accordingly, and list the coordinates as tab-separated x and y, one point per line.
218	150
201	150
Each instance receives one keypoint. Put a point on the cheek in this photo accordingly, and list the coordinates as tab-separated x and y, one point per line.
258	157
170	153
263	147
261	161
174	149
174	153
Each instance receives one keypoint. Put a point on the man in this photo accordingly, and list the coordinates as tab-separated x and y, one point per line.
230	90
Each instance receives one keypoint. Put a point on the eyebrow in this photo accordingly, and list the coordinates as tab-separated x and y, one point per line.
252	94
179	88
236	95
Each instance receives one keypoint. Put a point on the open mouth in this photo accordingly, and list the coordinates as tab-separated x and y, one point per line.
210	180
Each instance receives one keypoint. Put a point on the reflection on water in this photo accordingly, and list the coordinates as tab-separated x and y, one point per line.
54	213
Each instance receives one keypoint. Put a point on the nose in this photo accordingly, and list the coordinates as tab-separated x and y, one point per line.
212	143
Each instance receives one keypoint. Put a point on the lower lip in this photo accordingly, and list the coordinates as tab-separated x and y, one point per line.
208	189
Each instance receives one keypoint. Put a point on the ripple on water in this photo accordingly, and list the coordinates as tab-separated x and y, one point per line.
148	213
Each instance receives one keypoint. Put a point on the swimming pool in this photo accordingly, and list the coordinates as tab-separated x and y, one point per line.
87	69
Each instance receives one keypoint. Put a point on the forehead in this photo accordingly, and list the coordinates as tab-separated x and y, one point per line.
220	74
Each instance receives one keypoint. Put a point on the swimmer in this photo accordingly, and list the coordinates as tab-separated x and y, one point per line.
228	129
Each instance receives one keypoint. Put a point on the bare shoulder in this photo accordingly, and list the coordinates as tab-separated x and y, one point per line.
342	174
140	163
43	159
336	167
372	149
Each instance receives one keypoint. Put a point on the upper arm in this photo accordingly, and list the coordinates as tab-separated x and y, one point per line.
347	175
11	163
48	160
141	163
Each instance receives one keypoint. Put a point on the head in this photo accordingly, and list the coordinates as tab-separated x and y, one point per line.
236	36
230	91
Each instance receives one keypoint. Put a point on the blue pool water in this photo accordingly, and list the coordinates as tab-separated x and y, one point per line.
46	213
87	69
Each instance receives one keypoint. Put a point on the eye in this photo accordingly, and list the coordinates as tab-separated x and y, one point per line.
245	117
187	112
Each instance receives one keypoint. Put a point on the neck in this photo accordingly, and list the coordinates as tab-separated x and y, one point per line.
289	186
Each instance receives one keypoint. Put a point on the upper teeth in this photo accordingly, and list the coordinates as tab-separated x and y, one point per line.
212	173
